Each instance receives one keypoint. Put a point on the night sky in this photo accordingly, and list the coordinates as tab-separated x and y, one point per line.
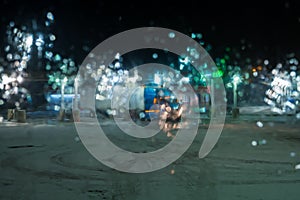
253	30
272	27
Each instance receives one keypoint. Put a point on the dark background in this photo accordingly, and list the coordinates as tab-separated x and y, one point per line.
273	28
268	30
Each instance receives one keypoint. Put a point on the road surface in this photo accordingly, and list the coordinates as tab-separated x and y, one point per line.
45	159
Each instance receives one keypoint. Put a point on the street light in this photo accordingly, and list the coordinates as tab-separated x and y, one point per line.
28	42
61	114
76	113
236	80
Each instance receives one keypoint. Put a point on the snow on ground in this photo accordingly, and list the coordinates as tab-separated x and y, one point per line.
45	159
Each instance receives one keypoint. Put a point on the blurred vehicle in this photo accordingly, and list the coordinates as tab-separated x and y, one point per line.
155	97
54	101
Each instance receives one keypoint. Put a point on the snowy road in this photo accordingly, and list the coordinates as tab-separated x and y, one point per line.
47	161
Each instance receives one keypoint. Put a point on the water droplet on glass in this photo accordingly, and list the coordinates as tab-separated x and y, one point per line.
52	37
9	57
263	142
7	48
56	108
48	67
57	57
17	104
293	74
117	65
77	139
255	74
11	24
266	62
72	63
117	56
39	42
254	143
199	36
48	54
259	124
142	115
294	67
292	154
47	23
171	35
155	56
171	75
50	16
